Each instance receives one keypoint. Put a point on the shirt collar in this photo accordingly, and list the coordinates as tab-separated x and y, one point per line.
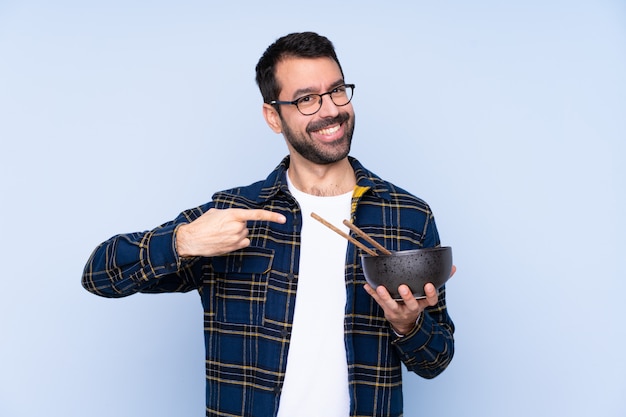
367	181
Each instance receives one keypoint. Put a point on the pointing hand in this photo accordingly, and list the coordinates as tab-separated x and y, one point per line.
217	232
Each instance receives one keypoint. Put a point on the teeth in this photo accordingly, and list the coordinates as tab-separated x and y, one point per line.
328	131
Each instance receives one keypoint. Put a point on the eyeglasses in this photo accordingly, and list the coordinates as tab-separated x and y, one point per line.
312	103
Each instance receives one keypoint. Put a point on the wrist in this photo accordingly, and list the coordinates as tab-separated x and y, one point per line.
181	241
403	332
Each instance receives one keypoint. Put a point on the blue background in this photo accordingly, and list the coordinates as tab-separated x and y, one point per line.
509	118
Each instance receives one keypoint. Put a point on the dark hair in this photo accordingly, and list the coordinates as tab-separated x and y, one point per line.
296	45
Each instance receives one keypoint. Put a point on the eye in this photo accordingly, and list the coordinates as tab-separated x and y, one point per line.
339	91
307	100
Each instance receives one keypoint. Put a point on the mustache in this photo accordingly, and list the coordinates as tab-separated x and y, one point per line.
321	124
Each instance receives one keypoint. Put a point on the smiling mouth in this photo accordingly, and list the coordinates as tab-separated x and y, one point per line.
328	131
329	127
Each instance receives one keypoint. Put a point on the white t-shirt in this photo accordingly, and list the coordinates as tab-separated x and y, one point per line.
316	380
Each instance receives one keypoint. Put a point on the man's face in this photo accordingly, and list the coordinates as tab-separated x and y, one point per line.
324	137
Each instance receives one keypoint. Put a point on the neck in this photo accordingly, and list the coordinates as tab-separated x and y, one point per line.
322	180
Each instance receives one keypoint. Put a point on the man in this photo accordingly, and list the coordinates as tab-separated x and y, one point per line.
291	328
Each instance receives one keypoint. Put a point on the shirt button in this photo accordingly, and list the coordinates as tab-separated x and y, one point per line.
291	276
284	332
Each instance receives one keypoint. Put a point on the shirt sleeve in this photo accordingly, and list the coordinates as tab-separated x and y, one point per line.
140	262
429	347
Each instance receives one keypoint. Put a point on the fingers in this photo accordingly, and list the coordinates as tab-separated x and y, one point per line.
407	296
402	315
453	270
380	294
219	231
432	296
372	292
258	215
383	296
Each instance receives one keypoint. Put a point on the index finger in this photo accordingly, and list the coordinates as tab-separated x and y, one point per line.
259	215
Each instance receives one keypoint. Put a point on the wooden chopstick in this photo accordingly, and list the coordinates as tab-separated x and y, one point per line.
338	231
367	237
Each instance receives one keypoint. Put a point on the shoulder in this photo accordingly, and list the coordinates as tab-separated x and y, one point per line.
254	195
245	197
404	197
238	197
385	191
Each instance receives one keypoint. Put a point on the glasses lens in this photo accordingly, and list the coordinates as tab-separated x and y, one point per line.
341	95
309	104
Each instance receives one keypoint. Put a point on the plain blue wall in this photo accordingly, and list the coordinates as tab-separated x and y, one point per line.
509	118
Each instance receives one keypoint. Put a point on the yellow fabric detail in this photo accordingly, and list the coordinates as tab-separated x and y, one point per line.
359	190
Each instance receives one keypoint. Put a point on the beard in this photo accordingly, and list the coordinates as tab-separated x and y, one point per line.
322	153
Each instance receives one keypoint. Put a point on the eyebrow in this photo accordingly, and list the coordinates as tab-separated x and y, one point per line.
310	90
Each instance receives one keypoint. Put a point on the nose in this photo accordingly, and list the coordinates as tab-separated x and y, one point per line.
328	109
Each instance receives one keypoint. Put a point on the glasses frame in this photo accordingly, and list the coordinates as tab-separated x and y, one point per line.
321	96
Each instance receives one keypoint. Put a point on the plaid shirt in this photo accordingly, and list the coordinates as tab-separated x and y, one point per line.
249	296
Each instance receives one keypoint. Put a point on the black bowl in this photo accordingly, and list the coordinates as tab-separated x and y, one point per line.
414	268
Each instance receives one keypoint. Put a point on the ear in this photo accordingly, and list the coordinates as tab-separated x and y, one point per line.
272	118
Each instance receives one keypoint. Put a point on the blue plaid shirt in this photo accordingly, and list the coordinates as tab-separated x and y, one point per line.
249	296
